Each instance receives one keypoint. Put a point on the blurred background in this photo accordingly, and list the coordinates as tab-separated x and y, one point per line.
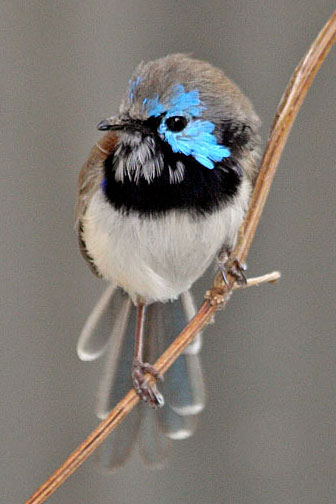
268	434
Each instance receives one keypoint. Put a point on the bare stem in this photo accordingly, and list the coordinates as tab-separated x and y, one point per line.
256	281
220	293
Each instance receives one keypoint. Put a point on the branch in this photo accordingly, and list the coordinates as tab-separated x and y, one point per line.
255	282
220	293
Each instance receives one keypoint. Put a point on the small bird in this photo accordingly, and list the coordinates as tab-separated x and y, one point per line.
164	202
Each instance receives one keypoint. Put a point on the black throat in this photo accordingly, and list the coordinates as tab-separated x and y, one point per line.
201	191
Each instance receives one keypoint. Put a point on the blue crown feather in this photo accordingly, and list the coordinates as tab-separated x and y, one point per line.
153	106
180	101
133	84
185	101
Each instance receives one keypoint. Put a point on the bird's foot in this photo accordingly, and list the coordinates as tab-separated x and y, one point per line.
237	270
147	393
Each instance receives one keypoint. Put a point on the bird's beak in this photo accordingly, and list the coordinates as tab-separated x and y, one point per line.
112	123
122	123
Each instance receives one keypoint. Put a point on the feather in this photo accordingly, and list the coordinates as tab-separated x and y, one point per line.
114	384
116	378
117	448
96	332
183	386
175	426
111	329
153	445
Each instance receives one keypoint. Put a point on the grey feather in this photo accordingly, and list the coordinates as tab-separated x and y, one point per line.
119	445
116	378
153	445
189	309
96	332
111	329
115	383
184	386
175	426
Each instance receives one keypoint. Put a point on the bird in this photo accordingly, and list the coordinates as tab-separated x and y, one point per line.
154	211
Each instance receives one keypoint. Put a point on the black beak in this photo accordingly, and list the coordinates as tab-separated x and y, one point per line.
115	123
106	125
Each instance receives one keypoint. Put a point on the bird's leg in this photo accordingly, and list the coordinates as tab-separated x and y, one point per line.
148	393
236	269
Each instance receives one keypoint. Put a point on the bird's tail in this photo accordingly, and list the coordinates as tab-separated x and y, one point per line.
110	330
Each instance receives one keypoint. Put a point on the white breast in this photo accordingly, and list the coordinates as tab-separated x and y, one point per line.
158	258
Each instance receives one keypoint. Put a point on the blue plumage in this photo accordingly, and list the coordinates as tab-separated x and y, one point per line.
153	106
179	102
197	139
103	184
133	84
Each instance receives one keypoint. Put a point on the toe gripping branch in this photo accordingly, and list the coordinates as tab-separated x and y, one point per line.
147	393
236	269
222	286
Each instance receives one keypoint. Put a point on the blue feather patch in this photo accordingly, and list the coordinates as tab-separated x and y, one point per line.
197	139
153	106
179	103
133	84
103	184
185	101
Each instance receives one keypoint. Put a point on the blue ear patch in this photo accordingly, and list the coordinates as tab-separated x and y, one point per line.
197	139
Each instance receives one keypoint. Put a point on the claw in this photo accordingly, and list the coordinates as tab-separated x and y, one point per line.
236	270
222	269
147	393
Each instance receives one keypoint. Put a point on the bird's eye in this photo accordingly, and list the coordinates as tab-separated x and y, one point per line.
176	123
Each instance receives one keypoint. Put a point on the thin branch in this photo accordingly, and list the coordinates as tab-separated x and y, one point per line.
256	281
220	293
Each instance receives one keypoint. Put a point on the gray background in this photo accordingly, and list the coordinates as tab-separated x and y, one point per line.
268	433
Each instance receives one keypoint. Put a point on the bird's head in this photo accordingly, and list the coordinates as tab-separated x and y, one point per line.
181	119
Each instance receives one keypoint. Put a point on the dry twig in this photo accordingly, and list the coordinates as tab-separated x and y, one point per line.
256	281
219	295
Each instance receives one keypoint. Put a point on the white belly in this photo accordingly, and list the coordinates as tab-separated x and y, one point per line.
157	258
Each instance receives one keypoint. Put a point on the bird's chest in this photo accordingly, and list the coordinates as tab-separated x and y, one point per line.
154	257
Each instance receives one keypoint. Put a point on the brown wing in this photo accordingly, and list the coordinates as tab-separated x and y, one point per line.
89	180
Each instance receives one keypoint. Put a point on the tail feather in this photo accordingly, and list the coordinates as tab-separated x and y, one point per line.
153	444
111	329
96	332
175	426
114	384
116	377
118	447
184	386
189	309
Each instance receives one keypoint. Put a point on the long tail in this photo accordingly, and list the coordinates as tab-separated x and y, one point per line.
110	330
